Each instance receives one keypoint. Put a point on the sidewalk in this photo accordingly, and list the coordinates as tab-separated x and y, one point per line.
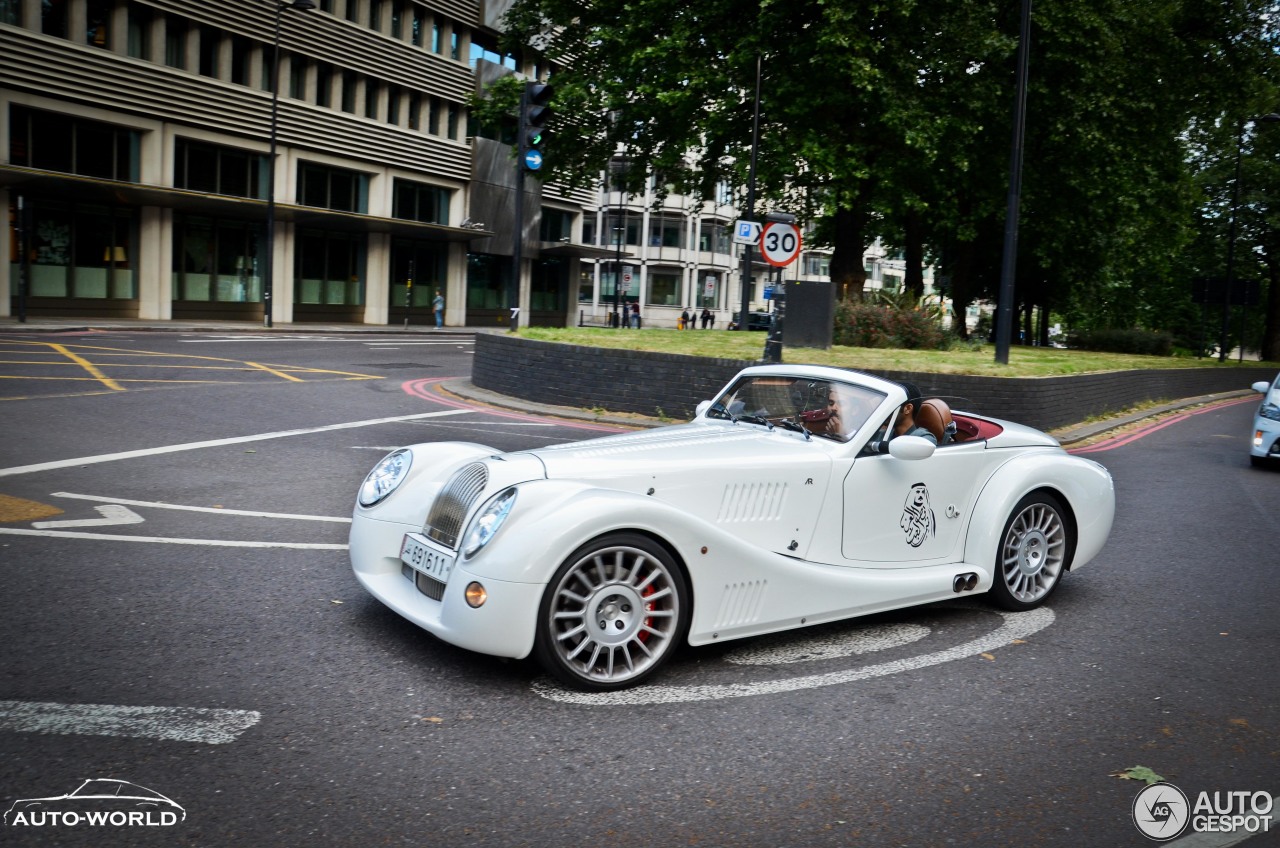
10	324
1072	434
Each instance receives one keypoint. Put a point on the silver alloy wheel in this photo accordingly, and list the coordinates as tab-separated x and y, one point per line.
1033	552
613	614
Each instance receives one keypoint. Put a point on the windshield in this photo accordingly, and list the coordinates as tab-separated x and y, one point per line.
815	407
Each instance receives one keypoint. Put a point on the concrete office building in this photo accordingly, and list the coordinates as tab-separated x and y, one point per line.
134	146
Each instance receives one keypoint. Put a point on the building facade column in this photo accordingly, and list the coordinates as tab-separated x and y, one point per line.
154	263
377	276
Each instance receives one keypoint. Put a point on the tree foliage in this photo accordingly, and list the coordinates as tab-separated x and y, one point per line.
894	120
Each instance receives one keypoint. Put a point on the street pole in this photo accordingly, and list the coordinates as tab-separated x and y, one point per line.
1009	261
268	271
24	258
744	316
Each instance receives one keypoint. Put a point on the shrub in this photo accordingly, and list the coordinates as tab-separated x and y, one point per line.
861	324
1134	340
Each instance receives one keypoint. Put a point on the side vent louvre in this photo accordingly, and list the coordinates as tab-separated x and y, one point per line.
752	502
444	523
741	603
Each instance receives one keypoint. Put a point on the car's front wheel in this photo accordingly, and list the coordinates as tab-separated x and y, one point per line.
613	613
1034	551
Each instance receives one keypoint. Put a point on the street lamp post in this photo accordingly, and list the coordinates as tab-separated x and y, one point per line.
268	271
1231	240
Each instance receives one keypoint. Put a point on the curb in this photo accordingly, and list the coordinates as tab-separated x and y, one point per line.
1066	436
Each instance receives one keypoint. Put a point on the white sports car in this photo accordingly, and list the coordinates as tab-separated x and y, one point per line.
780	505
1264	447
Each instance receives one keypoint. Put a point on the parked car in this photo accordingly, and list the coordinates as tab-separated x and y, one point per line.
780	504
1264	447
756	320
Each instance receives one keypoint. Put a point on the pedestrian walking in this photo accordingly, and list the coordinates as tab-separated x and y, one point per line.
706	318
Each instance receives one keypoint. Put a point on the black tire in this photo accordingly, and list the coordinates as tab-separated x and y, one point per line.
1035	550
613	613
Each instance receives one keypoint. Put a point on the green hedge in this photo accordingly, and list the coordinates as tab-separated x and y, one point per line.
1145	342
864	325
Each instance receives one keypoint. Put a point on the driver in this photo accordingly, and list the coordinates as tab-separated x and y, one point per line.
906	424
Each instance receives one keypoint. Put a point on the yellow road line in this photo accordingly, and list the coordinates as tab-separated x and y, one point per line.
274	371
88	366
19	509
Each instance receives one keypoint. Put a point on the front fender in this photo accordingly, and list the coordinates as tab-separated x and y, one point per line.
1083	484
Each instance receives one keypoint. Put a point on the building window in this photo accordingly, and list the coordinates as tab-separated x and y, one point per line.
53	142
349	92
53	17
393	104
416	31
9	10
415	110
375	15
332	188
424	263
452	129
713	237
435	38
397	19
664	288
140	18
371	99
209	43
324	84
98	33
353	11
330	269
556	226
297	77
175	42
82	251
817	265
240	51
666	232
219	170
621	230
216	261
420	202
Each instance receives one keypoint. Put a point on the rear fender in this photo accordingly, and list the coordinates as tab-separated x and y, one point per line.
1083	485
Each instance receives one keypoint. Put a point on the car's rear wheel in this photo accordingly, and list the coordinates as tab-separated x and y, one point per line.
613	613
1034	551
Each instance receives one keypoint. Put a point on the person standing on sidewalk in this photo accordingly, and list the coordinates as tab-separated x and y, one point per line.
438	305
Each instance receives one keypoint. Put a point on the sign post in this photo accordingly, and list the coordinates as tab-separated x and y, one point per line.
779	245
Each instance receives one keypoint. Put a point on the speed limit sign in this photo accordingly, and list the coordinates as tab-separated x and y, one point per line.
780	243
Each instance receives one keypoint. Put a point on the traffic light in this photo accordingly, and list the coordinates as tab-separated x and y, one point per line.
534	113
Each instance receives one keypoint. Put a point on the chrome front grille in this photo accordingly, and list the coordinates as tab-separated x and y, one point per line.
444	523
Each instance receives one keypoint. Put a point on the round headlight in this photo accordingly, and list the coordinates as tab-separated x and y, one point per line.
385	477
486	524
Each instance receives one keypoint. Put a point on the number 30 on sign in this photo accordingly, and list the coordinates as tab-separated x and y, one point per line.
780	243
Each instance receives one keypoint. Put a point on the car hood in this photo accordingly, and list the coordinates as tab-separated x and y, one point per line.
766	485
695	449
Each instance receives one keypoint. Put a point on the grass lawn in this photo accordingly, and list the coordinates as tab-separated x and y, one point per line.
1023	361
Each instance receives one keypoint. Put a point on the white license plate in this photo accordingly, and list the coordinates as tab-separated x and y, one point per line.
418	555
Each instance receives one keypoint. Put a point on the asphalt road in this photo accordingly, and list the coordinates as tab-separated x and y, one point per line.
206	640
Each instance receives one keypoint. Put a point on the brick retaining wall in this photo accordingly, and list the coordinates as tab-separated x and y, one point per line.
671	384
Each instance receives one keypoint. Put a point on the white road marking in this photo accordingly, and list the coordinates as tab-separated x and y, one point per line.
174	724
112	513
1016	625
161	540
210	509
875	638
394	345
215	443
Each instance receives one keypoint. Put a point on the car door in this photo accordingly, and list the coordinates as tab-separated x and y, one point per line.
899	513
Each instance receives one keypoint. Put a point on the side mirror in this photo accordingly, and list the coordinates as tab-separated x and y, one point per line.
1262	387
703	406
911	447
